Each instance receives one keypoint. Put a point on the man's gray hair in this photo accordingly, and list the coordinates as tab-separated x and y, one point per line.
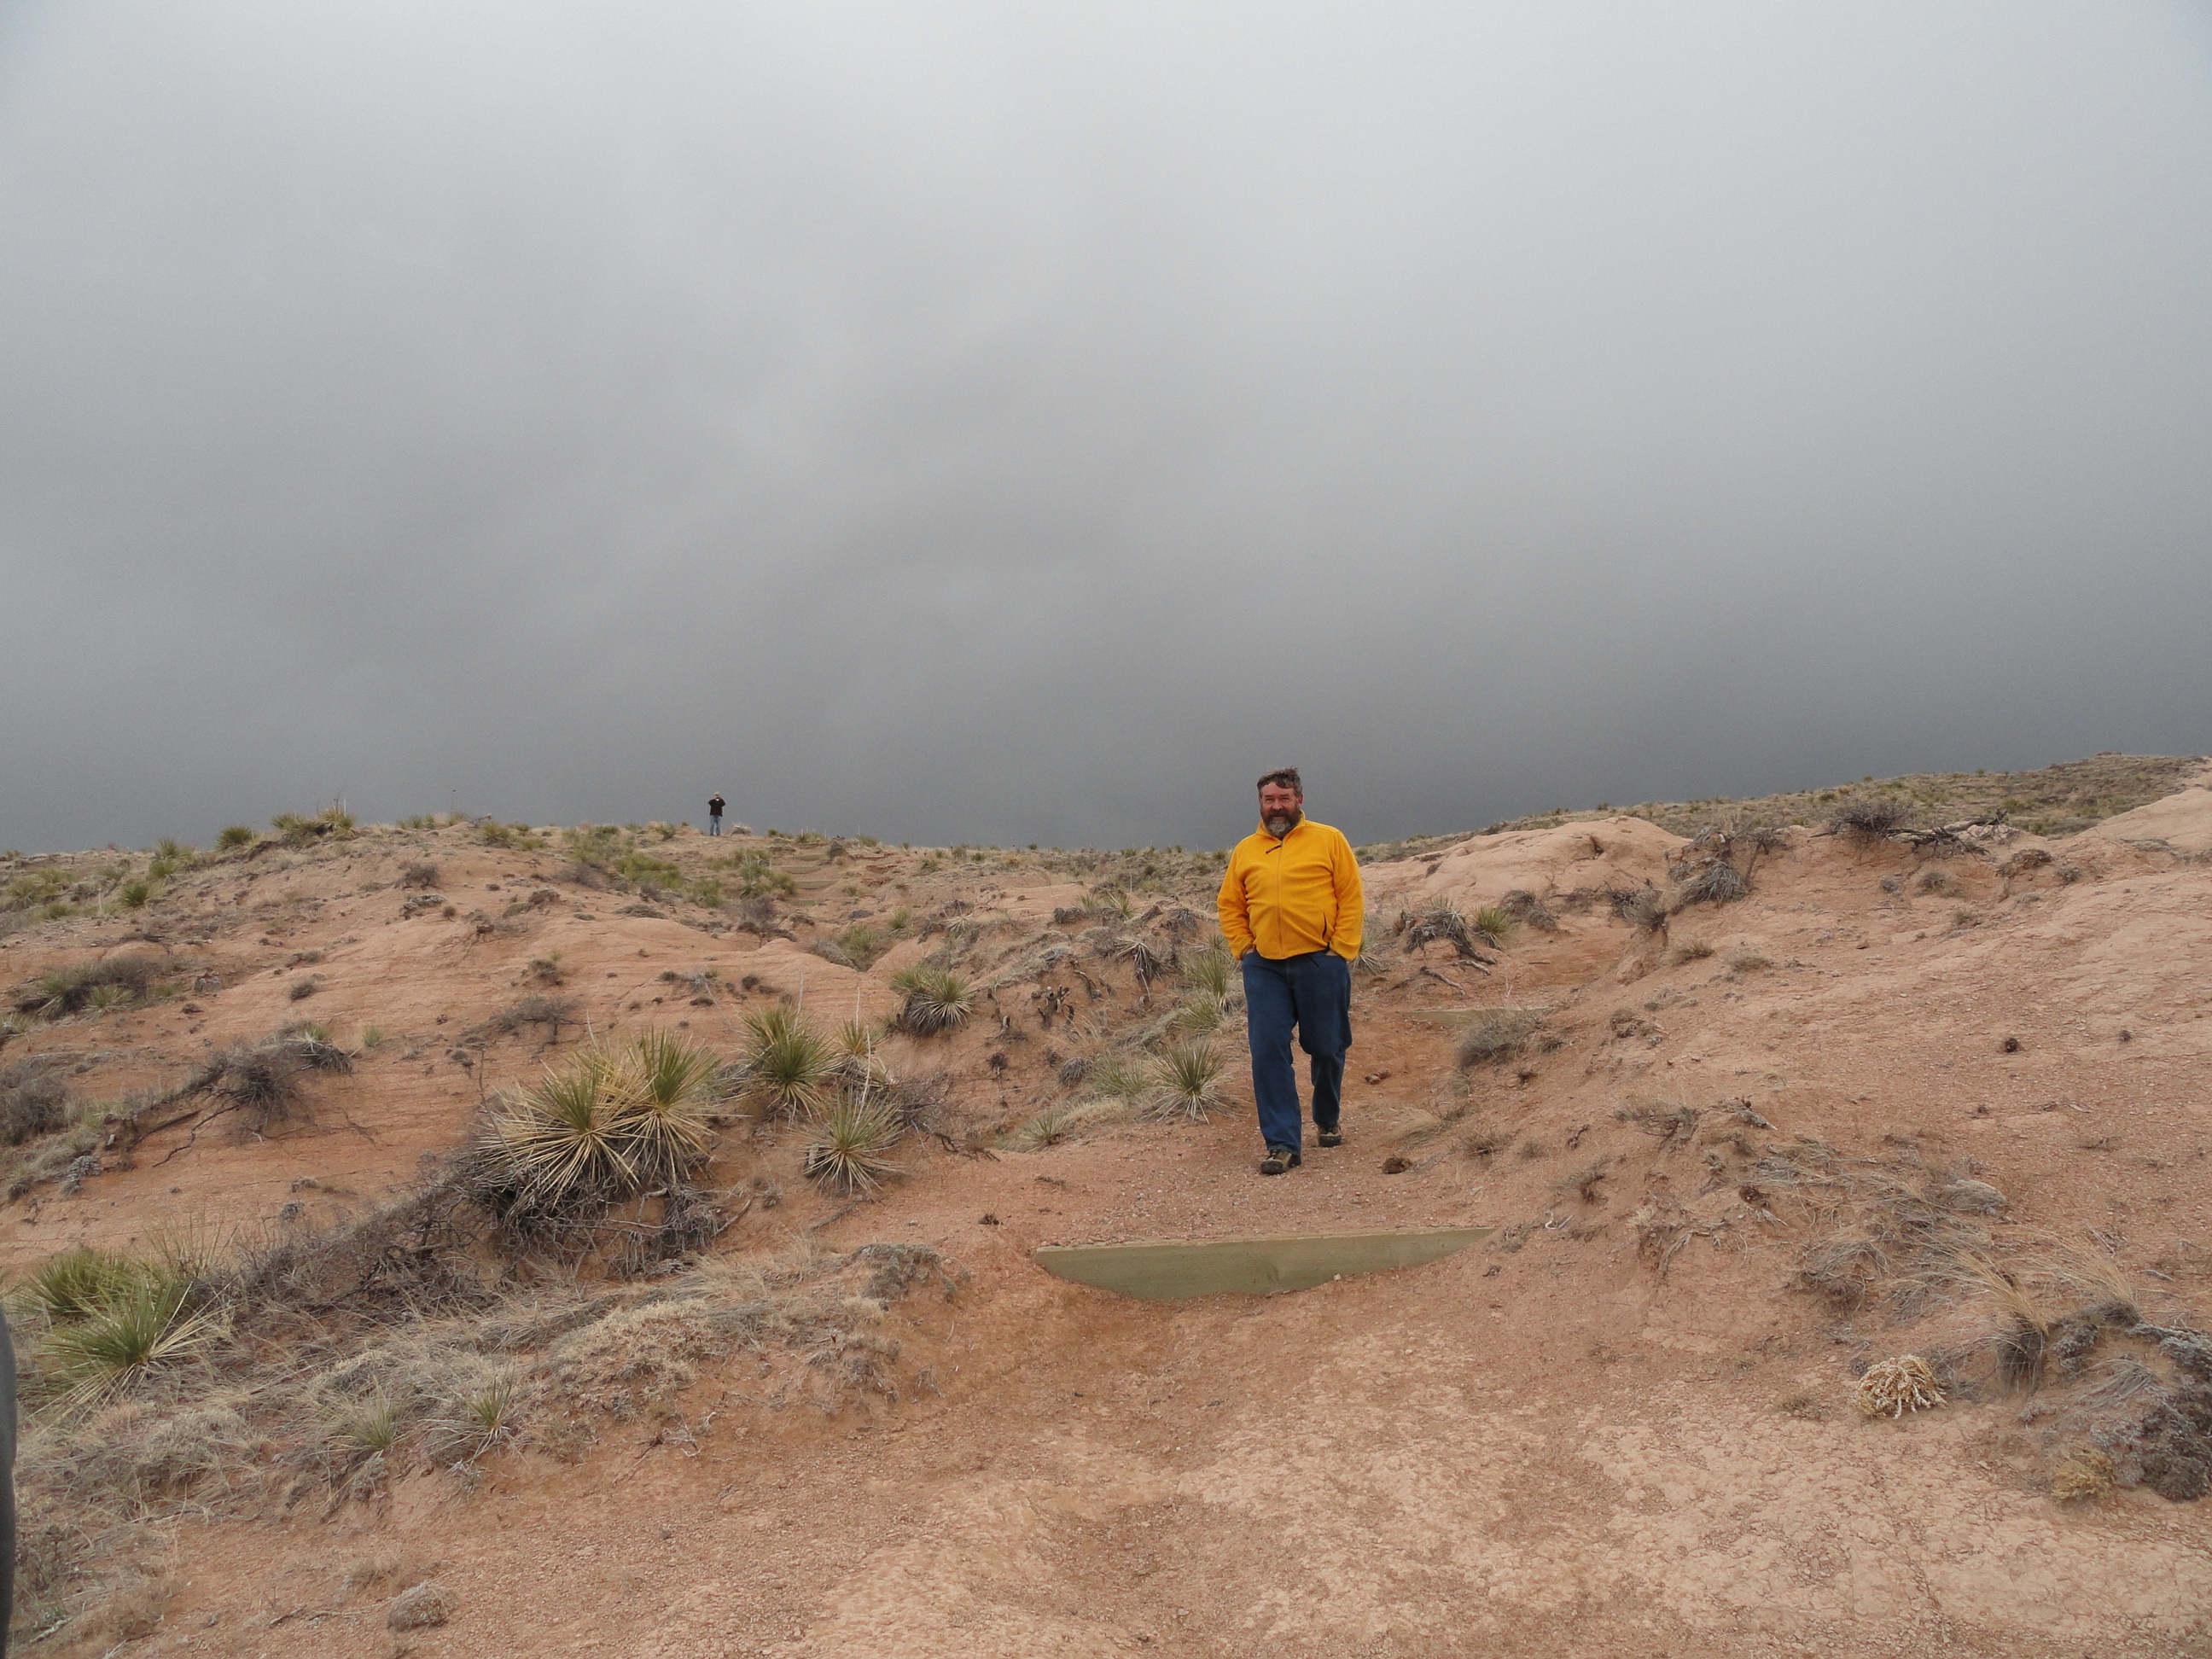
1285	775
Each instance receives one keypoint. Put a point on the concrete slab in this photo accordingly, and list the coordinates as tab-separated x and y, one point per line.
1169	1269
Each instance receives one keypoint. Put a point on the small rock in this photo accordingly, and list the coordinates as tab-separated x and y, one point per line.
421	1608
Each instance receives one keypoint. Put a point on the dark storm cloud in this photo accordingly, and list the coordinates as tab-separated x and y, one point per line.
1005	423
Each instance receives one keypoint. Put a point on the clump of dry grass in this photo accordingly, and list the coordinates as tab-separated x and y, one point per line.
33	1100
2086	1475
1891	1387
1714	881
65	991
1493	1036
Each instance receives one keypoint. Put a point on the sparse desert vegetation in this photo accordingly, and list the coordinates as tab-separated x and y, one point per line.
577	1166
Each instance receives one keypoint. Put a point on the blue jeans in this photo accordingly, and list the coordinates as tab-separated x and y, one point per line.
1313	992
715	826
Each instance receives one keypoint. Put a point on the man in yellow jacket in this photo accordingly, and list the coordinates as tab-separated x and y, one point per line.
1291	909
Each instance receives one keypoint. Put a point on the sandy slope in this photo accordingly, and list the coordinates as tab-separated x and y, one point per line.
1545	1445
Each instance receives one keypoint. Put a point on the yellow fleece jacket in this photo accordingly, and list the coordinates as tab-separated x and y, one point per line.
1289	896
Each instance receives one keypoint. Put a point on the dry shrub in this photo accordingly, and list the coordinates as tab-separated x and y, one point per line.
1870	821
1483	1144
1714	881
408	1259
1525	907
33	1101
1674	1124
1891	1387
1583	1184
1442	922
265	1082
1644	908
536	1009
2085	1475
1493	1036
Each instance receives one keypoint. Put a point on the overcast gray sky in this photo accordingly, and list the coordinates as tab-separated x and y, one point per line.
998	422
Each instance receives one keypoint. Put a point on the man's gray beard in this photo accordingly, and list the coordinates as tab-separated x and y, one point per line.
1282	822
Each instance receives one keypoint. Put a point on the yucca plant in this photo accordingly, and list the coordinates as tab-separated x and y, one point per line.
564	1142
1113	1077
1210	972
1047	1128
666	1113
368	1428
1199	1014
145	1325
1145	961
1492	922
478	1421
79	1283
937	1000
849	1149
788	1067
1185	1081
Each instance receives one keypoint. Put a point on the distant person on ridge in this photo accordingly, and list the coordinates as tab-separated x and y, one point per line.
1291	909
714	815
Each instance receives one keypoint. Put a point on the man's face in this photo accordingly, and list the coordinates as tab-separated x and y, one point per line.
1280	808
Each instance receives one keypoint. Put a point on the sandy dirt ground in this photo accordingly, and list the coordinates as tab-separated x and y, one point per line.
1620	1425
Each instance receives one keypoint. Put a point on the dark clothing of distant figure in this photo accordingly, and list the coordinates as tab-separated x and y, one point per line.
714	815
7	1485
1312	992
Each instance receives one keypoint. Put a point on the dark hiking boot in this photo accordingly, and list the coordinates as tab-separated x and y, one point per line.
1280	1158
1332	1136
